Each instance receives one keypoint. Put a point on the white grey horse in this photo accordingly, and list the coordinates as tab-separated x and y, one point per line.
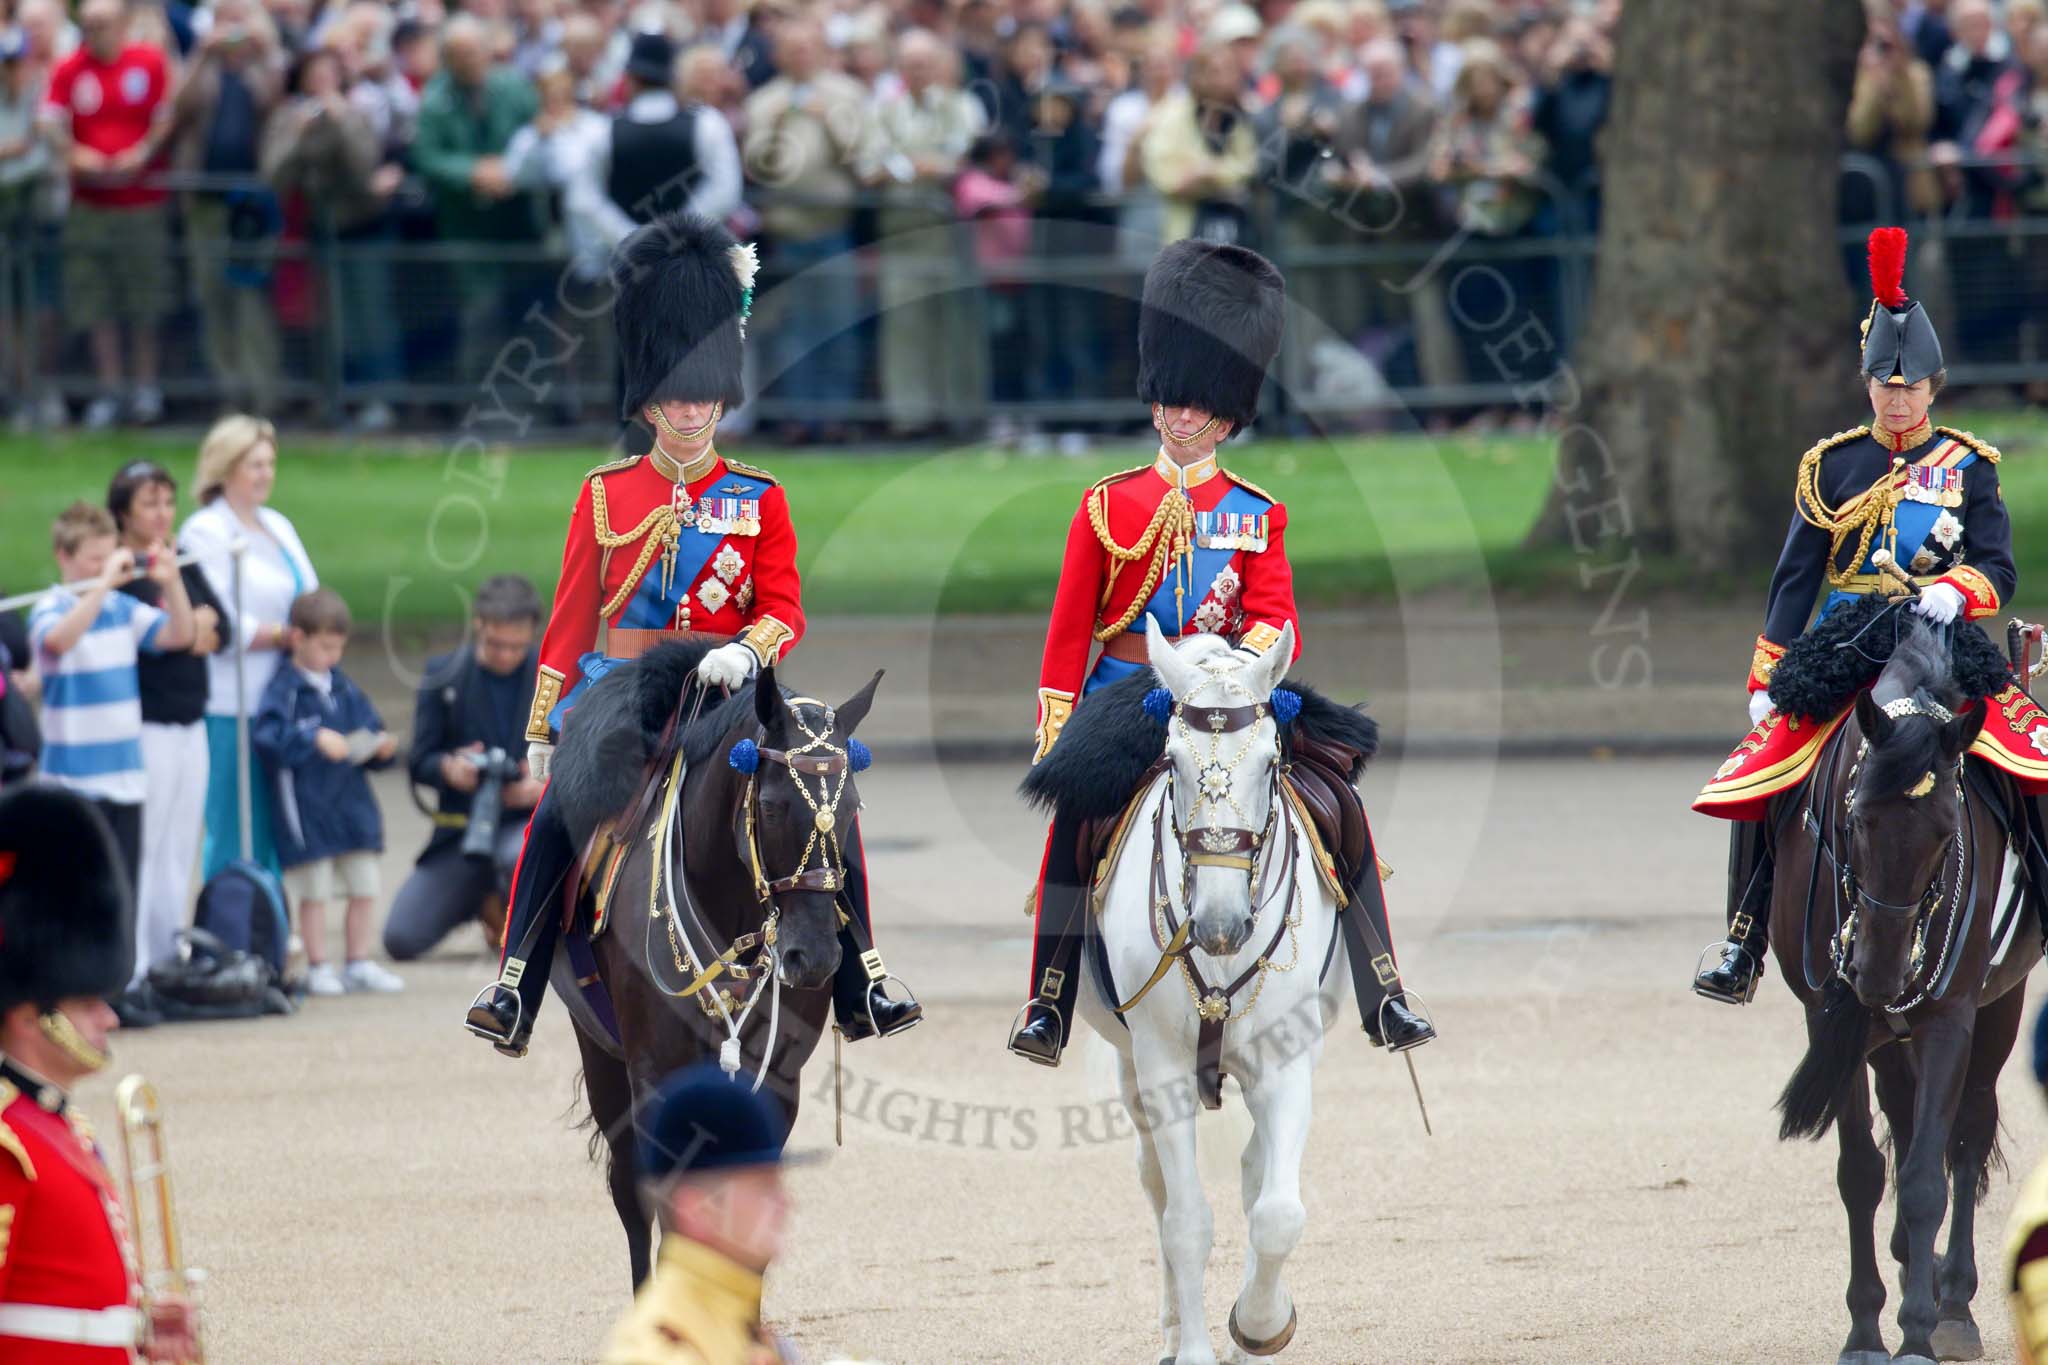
1214	850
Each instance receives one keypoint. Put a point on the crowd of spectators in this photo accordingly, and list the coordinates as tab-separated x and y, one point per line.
850	137
168	649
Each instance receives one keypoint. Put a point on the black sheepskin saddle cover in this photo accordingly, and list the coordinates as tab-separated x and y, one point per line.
1825	668
1109	743
612	732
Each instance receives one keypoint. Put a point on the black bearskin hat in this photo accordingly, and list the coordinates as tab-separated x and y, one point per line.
683	287
1899	344
1208	328
66	923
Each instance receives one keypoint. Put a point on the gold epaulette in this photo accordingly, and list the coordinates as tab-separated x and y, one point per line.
1985	450
1107	479
10	1141
1806	495
614	467
1242	482
763	475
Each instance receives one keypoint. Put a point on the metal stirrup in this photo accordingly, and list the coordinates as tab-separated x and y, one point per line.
518	1004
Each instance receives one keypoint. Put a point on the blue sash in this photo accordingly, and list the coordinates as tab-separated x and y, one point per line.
1914	522
1203	566
649	608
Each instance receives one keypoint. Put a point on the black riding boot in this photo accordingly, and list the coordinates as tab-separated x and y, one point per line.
1375	978
1740	958
1047	1019
859	1004
504	1011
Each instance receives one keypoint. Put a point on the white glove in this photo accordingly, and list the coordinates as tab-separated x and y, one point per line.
1940	603
729	665
1759	707
538	757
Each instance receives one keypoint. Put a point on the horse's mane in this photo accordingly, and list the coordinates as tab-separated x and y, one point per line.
614	729
1109	743
1919	670
1825	668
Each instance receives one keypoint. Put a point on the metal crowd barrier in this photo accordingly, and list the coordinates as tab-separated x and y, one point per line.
933	324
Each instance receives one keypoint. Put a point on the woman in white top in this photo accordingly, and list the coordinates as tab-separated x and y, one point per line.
237	469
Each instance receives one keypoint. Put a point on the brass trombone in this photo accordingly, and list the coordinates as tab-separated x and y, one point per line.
135	1099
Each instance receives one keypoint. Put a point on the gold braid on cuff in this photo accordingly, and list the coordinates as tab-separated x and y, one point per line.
766	637
1054	707
1260	638
1763	663
547	690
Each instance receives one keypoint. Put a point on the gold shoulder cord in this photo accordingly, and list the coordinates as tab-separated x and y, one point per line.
1166	537
656	529
1985	450
1863	516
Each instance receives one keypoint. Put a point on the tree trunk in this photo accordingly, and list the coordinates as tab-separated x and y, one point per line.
1721	342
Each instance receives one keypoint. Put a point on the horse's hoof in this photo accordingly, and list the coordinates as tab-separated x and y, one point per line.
1864	1358
1914	1360
1272	1346
1958	1339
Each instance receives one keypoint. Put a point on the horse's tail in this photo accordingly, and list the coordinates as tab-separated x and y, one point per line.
585	1115
1812	1100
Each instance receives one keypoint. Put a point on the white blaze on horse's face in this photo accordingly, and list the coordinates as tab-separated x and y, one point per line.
1223	778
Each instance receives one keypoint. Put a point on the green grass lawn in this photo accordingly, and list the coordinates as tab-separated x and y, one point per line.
398	530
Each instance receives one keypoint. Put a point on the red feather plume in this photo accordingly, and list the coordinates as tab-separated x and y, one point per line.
1888	265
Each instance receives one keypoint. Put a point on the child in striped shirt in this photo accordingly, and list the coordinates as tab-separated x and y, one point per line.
86	638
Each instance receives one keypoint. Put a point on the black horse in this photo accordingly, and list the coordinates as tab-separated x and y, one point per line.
724	907
1885	920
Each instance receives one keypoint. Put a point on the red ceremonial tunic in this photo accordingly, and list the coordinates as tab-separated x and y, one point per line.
1163	548
63	1237
652	546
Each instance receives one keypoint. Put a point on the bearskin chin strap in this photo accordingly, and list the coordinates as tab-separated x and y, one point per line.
58	1028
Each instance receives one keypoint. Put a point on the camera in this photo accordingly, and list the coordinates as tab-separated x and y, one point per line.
494	768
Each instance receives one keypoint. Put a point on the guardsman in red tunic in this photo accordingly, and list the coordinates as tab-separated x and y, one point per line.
679	543
1184	546
1928	498
69	1291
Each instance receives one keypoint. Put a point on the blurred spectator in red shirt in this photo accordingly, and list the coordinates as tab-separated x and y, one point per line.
108	100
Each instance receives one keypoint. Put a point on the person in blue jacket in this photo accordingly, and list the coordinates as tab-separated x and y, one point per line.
316	733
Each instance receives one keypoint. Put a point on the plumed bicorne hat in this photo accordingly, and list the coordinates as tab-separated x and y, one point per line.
684	288
1899	344
1208	327
66	923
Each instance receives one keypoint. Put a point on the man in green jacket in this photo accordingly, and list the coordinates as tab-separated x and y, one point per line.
468	114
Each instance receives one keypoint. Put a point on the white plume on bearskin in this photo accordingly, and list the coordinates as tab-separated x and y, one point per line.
681	301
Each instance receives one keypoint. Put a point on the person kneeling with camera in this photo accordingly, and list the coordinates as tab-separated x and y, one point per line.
469	746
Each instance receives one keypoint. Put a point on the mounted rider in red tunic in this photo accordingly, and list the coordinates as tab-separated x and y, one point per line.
1900	492
1180	545
70	1291
679	543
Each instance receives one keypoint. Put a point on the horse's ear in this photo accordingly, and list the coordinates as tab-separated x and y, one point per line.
1178	676
1959	734
851	712
1276	660
767	697
1871	719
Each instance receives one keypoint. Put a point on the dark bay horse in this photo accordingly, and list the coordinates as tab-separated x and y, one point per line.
729	813
1885	920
